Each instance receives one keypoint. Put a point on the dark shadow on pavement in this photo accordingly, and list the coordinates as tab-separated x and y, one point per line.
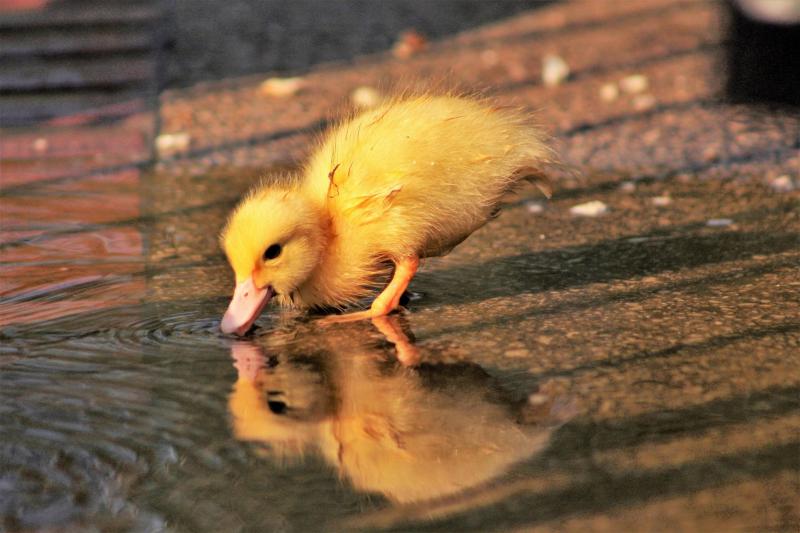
603	262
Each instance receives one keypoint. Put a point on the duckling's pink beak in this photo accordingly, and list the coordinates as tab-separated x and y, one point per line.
247	303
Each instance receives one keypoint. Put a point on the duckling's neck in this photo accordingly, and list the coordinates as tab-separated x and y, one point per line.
310	293
345	273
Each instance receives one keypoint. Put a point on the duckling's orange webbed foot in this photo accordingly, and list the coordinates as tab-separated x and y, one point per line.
389	299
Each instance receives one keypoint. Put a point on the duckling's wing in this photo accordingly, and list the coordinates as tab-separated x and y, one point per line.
439	249
362	208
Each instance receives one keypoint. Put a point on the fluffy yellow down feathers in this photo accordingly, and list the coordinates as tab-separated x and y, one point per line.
410	178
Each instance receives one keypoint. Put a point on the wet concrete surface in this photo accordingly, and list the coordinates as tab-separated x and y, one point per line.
635	370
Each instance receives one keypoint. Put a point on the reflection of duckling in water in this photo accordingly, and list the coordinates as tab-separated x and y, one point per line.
411	178
411	435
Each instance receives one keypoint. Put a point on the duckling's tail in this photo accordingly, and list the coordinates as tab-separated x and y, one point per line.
537	177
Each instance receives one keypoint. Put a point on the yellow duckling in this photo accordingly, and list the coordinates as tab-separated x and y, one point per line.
410	178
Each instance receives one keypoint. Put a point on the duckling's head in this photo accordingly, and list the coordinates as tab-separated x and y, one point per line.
273	241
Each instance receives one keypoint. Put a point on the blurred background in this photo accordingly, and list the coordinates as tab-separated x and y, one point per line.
63	56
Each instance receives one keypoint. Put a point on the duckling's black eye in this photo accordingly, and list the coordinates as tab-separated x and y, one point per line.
272	252
276	406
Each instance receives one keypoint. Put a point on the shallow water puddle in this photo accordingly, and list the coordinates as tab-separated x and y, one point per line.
70	257
124	407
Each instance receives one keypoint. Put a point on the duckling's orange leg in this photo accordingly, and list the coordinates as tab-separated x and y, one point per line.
389	299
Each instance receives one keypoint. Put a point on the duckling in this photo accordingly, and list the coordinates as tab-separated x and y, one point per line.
408	179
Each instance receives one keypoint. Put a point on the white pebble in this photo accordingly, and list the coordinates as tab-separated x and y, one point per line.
169	143
627	186
661	201
554	70
538	399
517	352
365	97
281	87
589	209
718	222
609	92
782	184
534	207
634	84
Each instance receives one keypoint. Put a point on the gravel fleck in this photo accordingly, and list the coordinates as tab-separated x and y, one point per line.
534	207
365	97
517	352
281	87
169	143
544	339
782	184
589	209
538	399
661	201
609	92
634	84
554	70
719	222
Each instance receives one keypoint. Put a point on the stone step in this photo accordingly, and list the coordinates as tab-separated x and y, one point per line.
37	74
20	109
78	15
65	41
67	57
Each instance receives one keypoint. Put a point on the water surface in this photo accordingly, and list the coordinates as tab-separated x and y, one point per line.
124	407
632	369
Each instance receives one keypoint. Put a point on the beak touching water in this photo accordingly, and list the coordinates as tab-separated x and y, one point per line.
247	303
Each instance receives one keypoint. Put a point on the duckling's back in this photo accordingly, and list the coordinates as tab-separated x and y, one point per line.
416	176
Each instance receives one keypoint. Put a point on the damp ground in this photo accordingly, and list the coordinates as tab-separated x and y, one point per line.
620	357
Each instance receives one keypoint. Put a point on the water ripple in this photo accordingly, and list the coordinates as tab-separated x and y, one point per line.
92	406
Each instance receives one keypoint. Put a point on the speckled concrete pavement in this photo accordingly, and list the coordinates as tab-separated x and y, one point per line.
672	319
